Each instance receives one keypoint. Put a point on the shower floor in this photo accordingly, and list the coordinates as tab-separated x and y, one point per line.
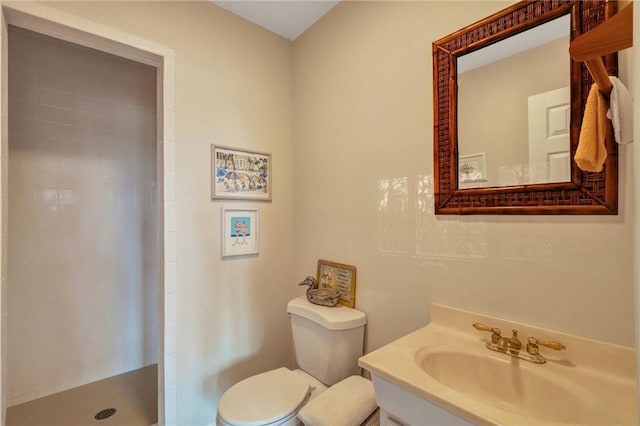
134	395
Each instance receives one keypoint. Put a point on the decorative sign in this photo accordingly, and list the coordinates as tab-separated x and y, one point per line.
339	277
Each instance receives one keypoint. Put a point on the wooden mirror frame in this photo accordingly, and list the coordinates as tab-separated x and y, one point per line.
587	193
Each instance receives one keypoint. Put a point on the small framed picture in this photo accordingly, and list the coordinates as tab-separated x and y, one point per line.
472	168
239	232
339	277
240	174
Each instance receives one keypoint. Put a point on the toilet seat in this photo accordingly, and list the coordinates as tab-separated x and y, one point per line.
268	398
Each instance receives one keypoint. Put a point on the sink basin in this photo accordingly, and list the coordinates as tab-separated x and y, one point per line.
506	383
443	372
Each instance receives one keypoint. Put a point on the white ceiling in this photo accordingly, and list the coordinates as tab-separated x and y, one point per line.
287	18
534	37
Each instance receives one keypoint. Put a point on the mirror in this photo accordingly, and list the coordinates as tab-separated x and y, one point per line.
508	106
521	82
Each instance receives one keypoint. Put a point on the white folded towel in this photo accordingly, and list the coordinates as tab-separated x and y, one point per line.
621	111
347	403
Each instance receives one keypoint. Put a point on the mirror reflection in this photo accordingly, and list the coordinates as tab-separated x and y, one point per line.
514	110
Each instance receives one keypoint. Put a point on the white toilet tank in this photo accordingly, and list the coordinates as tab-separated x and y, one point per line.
328	340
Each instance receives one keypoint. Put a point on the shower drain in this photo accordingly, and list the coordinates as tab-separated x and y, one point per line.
105	414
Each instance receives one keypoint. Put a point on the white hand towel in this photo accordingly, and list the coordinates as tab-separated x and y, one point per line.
621	111
347	403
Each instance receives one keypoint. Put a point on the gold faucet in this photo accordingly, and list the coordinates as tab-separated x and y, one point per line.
512	345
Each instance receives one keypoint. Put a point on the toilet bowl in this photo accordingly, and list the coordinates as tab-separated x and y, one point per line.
328	342
272	398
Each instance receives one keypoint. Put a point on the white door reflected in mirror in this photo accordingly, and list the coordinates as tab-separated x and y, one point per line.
549	133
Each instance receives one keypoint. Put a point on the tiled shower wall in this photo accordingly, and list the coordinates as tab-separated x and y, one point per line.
82	299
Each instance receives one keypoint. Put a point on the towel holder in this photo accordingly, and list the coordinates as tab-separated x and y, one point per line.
609	37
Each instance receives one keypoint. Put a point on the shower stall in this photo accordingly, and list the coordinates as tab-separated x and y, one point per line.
82	237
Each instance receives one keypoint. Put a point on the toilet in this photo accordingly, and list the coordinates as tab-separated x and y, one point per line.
328	342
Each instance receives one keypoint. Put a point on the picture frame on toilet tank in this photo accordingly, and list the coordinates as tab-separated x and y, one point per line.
239	232
240	174
339	277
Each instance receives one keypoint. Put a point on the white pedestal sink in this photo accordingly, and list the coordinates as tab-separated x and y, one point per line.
443	374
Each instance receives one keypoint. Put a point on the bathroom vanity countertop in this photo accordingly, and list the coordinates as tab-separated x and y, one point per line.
590	382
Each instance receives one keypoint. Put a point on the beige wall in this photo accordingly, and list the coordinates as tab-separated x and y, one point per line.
233	87
82	293
364	191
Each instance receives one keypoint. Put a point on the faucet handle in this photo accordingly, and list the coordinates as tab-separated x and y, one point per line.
547	343
495	332
482	327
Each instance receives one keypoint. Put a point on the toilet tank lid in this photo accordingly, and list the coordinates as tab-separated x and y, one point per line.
333	318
